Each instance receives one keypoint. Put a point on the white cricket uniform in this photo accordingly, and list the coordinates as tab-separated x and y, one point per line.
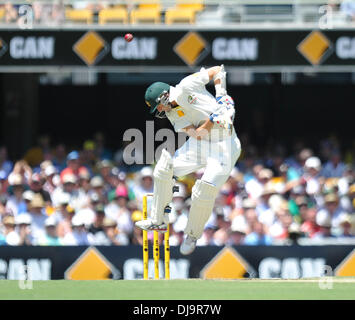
219	151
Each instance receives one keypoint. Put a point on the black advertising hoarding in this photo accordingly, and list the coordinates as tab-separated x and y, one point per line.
173	49
116	262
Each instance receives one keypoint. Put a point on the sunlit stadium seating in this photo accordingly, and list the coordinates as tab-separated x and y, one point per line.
115	15
149	11
79	15
183	12
2	13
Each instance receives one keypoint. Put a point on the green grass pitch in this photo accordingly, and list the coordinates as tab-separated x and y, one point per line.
192	289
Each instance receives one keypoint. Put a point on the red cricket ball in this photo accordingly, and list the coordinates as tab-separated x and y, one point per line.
128	37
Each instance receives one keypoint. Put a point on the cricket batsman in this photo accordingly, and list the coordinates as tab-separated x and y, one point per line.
212	145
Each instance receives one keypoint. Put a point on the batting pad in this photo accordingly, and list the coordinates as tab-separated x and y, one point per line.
163	186
203	198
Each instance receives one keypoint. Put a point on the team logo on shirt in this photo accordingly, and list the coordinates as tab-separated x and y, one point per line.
179	112
191	99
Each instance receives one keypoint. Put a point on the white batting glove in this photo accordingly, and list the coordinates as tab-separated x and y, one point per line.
226	106
221	88
222	120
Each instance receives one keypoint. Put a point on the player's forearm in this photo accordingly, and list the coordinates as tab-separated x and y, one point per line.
201	131
213	71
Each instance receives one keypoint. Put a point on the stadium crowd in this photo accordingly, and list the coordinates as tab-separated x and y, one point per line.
54	11
55	196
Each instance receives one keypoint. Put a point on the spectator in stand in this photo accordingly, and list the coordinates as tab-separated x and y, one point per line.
15	204
88	155
265	214
97	186
96	229
344	184
294	234
68	186
101	150
351	198
36	186
11	13
79	5
105	167
78	236
50	238
5	164
73	165
65	223
178	209
325	226
28	197
2	240
237	233
23	169
312	179
296	167
118	211
59	212
302	205
84	181
221	235
277	158
59	158
87	214
279	229
137	235
3	182
3	201
40	12
348	7
207	238
237	191
23	222
309	226
331	209
247	161
12	238
334	167
113	235
346	226
58	12
257	236
222	200
51	179
247	216
145	185
37	154
38	216
254	187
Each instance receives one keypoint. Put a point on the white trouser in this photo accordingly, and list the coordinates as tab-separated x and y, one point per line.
218	158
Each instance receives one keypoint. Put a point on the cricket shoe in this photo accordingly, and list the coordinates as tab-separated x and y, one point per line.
188	245
148	225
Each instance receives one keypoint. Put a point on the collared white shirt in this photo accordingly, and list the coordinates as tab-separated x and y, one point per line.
196	104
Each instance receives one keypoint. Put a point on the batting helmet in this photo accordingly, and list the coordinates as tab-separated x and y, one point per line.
153	94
